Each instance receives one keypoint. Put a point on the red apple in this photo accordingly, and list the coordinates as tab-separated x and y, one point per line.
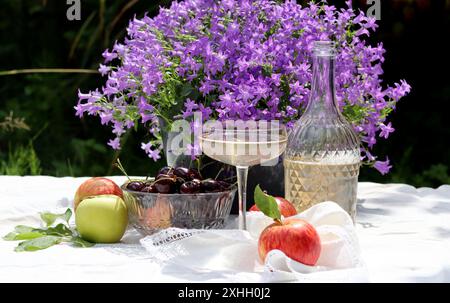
297	238
95	187
287	209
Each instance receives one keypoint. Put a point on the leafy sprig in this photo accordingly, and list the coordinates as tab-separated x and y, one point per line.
34	239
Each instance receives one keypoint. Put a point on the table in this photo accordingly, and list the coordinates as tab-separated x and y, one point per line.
404	233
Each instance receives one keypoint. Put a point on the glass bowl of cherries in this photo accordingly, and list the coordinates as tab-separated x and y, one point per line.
178	197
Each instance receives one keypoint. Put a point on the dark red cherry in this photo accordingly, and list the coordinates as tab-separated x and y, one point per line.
165	186
211	186
194	174
149	189
148	182
178	183
190	187
182	172
165	170
164	176
135	185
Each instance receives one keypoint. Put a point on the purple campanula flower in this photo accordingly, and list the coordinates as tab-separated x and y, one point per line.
370	140
190	105
80	110
146	117
290	111
206	87
187	113
382	166
152	153
118	128
115	143
104	70
155	154
109	56
386	130
206	112
276	78
147	147
82	96
243	59
105	117
245	92
129	124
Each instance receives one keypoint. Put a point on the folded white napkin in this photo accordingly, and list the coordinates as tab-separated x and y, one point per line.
235	252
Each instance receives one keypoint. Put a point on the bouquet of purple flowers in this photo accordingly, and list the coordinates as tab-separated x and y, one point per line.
241	59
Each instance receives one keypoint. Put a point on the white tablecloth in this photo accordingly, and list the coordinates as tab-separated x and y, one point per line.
404	234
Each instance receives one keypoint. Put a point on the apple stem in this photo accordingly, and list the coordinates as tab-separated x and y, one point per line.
278	221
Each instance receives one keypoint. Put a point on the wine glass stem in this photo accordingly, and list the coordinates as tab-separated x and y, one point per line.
242	172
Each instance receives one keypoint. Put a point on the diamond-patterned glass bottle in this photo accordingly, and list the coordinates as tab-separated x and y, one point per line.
322	158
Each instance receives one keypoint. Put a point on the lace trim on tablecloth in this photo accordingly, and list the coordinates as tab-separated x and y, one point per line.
164	245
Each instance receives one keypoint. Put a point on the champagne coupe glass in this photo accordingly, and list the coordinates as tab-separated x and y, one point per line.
243	144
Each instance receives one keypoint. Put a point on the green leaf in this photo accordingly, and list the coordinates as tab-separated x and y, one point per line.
186	90
68	215
22	236
267	204
50	218
354	113
60	230
22	232
38	243
267	69
20	229
79	242
41	238
10	237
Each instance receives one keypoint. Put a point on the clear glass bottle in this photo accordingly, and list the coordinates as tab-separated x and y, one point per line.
322	158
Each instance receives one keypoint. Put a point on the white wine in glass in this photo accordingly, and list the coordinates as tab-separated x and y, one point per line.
243	145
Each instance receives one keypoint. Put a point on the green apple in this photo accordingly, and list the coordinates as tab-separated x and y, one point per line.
102	219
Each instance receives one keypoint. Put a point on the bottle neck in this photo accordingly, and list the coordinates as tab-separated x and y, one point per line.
322	100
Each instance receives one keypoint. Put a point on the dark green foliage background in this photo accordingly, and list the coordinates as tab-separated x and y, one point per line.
37	34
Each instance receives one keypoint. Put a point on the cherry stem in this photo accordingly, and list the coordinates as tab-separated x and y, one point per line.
120	167
156	181
230	178
218	174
